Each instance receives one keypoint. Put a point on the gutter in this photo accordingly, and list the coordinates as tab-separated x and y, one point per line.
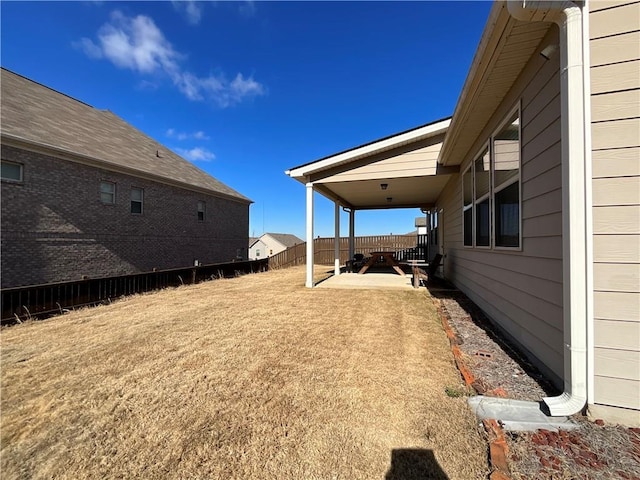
575	194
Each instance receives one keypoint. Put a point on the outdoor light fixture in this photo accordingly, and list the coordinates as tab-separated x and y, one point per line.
548	51
383	186
389	199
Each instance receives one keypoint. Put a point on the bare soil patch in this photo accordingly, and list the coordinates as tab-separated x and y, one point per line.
593	451
252	377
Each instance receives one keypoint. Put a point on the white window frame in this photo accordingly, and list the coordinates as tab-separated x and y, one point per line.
141	201
113	193
14	180
486	196
493	188
517	110
465	207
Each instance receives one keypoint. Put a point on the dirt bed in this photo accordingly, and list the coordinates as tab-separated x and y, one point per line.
592	451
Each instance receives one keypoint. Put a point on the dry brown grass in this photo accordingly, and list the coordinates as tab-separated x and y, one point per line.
252	377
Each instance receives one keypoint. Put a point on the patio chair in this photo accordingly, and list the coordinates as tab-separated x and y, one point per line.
420	274
355	263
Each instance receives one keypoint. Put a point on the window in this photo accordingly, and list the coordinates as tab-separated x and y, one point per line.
491	191
467	194
201	211
482	175
137	196
11	171
257	252
506	178
108	192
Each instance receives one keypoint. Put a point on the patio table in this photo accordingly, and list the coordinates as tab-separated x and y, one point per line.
386	258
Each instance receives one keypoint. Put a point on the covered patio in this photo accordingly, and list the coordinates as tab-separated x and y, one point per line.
399	171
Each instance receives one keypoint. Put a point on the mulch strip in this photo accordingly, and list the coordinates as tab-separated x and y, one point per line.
492	366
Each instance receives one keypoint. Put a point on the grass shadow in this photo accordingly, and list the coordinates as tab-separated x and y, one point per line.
414	464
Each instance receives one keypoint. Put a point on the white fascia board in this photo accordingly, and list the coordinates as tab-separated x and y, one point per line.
370	149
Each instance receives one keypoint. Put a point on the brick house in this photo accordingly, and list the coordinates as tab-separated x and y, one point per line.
86	194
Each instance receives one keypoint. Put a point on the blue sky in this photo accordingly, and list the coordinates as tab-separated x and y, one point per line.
247	90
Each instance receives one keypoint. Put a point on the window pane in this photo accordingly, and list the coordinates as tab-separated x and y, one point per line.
136	194
506	147
467	186
508	216
107	187
468	226
201	210
136	200
107	192
11	171
482	223
482	176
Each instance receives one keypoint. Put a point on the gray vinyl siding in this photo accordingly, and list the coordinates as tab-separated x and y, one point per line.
615	110
521	290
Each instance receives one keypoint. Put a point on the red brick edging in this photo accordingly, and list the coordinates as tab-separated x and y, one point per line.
498	449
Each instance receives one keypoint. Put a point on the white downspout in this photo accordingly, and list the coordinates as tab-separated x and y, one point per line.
309	280
568	16
352	233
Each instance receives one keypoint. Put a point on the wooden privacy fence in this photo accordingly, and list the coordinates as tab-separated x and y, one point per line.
39	301
324	250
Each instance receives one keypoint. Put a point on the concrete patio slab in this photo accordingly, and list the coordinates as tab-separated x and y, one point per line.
367	281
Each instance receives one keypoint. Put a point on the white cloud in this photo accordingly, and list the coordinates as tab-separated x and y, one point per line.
191	9
199	135
89	48
197	154
137	44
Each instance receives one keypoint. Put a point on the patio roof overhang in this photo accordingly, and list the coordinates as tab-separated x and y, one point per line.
399	171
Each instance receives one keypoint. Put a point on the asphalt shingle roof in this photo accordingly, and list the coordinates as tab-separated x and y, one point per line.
287	239
39	115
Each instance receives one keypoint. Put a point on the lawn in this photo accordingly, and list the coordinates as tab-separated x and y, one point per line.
251	377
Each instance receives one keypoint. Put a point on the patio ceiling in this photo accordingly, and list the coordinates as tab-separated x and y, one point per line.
405	164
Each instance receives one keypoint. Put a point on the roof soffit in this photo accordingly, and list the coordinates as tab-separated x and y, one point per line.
376	157
505	48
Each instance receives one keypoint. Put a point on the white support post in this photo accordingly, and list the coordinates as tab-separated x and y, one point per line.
352	227
309	281
337	240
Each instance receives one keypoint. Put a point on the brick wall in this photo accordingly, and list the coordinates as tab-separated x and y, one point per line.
56	228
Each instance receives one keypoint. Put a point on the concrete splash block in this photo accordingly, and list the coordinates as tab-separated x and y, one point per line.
518	415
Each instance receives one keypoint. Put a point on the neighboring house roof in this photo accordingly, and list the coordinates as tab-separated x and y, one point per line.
421	222
286	239
253	240
37	117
